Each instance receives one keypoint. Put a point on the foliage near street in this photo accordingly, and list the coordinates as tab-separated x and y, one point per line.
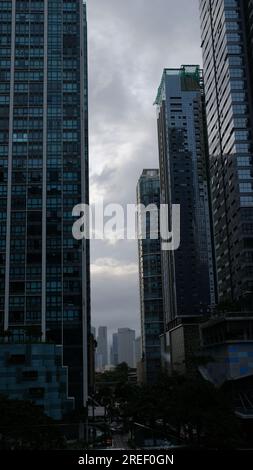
24	426
192	409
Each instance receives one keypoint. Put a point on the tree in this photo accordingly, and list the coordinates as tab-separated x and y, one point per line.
198	413
23	425
203	414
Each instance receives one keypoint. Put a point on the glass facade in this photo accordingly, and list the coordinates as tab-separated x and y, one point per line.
151	297
43	175
188	281
34	372
226	27
229	340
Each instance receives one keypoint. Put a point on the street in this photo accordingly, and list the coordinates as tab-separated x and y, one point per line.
119	441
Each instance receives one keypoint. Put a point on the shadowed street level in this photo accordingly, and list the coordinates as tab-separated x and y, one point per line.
120	442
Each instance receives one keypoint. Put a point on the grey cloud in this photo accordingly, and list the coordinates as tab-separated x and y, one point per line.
130	42
123	309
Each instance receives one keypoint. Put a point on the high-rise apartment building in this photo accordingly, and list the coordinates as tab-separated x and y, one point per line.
188	281
44	293
150	278
227	38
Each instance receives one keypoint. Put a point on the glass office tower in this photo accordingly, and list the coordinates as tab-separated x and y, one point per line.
44	292
188	283
227	39
150	281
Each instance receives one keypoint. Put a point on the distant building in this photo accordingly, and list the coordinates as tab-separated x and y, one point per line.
126	346
114	350
35	372
150	276
92	359
99	366
109	368
102	347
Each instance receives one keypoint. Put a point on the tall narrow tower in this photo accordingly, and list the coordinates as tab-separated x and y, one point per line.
188	282
150	278
44	293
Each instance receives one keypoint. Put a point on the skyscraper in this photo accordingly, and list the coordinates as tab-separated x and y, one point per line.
227	38
188	283
126	346
114	349
44	292
102	347
150	279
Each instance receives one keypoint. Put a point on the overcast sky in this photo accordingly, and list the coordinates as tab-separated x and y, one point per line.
130	42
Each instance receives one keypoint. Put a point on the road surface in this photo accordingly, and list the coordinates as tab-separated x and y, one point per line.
119	441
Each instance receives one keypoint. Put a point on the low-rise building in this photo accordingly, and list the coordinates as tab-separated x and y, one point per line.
34	372
227	339
181	346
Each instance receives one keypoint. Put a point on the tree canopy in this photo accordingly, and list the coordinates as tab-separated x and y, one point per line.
23	425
